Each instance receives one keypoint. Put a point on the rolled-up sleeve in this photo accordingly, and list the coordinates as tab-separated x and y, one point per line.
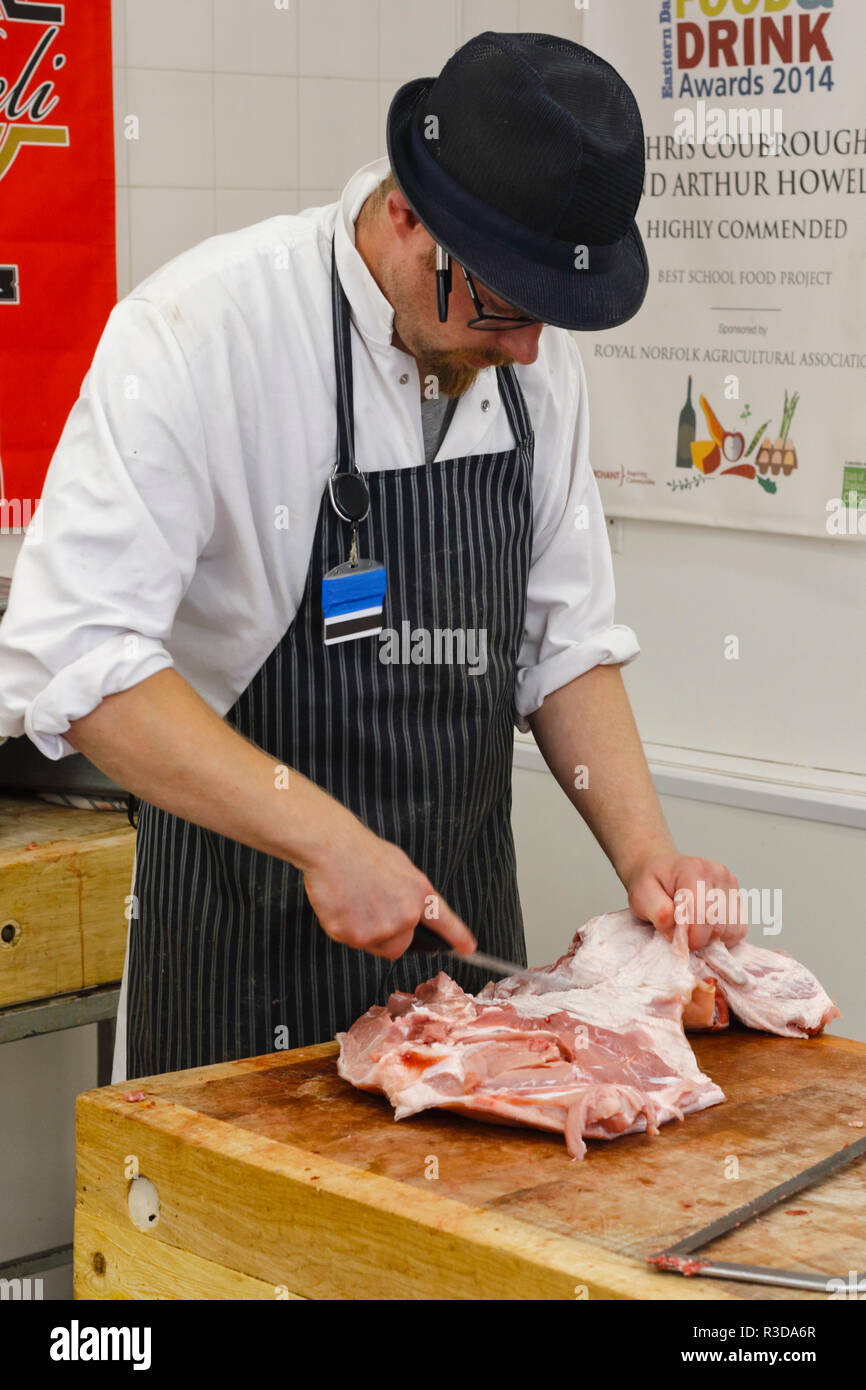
570	598
125	512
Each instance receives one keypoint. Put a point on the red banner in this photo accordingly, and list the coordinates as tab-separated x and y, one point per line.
57	236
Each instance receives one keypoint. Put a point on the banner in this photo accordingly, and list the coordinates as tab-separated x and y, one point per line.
57	227
737	395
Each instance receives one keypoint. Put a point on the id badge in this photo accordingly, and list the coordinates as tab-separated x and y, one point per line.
352	597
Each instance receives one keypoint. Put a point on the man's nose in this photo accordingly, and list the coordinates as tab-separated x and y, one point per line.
521	343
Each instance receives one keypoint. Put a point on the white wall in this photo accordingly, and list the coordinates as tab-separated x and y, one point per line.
798	606
241	119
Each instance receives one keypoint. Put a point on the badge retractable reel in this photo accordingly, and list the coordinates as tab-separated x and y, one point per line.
352	593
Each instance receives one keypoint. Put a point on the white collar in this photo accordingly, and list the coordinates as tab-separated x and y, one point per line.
373	316
371	312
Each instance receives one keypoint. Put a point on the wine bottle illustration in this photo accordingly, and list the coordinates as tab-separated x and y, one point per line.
686	432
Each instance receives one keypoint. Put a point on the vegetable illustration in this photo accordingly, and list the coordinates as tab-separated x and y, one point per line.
731	444
757	436
717	434
788	415
726	453
706	456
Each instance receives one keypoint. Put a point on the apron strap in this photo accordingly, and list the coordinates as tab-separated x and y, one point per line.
515	405
343	364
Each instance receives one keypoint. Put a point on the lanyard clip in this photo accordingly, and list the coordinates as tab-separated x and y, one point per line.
350	496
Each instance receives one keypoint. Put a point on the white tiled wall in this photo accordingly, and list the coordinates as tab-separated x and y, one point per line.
247	108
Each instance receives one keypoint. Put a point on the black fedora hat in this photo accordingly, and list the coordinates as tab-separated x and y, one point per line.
525	149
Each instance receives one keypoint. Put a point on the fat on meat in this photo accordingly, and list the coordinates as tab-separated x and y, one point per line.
765	989
591	1046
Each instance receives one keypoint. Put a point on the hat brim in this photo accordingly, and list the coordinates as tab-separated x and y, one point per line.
588	300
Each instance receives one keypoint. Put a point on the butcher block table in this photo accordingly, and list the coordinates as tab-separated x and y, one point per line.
64	883
64	879
273	1178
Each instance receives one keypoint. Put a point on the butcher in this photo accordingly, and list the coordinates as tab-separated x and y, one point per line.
320	529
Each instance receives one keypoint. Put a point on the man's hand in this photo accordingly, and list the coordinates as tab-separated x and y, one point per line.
161	741
664	891
368	894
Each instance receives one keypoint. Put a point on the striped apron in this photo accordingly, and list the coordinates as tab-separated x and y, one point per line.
226	956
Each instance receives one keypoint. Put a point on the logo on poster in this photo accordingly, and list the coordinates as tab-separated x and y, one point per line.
27	93
731	39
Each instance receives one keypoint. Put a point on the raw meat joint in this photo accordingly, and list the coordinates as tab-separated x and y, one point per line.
593	1045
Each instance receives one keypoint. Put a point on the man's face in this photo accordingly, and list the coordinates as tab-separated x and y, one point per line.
450	351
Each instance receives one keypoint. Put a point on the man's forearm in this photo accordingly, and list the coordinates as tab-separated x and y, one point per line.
163	743
589	723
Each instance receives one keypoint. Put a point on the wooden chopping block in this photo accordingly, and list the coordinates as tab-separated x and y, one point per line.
65	878
272	1178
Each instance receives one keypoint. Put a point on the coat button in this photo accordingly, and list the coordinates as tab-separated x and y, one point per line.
485	405
404	378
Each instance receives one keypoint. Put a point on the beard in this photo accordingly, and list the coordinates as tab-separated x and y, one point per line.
451	367
454	374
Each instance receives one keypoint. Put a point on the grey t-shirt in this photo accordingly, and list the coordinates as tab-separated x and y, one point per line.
435	419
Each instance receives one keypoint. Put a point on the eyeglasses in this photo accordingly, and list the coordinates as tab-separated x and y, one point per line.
485	322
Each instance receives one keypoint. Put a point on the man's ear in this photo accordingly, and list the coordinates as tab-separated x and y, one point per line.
403	221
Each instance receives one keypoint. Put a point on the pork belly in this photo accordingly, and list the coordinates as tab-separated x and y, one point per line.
591	1046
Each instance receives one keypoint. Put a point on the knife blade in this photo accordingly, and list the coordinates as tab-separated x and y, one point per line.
683	1258
432	944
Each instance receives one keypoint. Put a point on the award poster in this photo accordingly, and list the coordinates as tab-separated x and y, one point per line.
737	395
57	228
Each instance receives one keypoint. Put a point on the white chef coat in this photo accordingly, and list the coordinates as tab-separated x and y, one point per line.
178	512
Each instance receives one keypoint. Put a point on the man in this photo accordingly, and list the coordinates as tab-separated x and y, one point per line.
197	619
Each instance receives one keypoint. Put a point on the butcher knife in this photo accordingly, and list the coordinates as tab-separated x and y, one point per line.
433	944
682	1258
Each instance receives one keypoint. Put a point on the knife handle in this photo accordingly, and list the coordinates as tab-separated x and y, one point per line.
429	941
